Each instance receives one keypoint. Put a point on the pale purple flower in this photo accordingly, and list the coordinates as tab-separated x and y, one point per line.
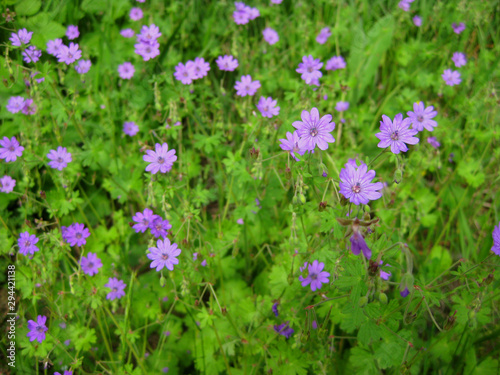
65	372
126	70
29	107
149	34
54	46
31	54
160	227
496	240
433	142
458	28
69	54
356	185
270	35
267	107
130	128
227	63
314	131
127	33
275	309
358	244
76	234
10	150
241	17
421	117
284	329
384	275
60	158
37	329
23	36
83	66
195	256
246	86
336	62
72	32
291	143
135	14
451	77
15	104
276	1
316	276
161	160
417	21
26	243
117	288
164	255
185	73
143	220
253	13
323	35
91	264
240	221
396	133
459	59
405	5
7	184
342	106
200	68
148	51
310	69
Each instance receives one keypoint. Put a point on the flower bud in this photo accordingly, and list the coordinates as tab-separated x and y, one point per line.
302	199
322	206
163	281
406	284
398	176
295	200
382	297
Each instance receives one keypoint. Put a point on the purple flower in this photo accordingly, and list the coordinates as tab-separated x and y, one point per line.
130	128
496	240
147	50
405	5
29	107
284	330
37	329
270	35
26	243
72	32
60	158
143	220
10	149
23	36
127	33
91	264
54	46
356	185
7	184
65	372
241	17
433	142
276	1
135	14
227	63
83	66
160	227
164	255
15	104
31	54
267	107
69	54
204	263
336	62
417	21
291	143
404	293
275	309
310	69
459	59
314	324
384	275
185	73
240	221
422	117
314	131
358	243
396	133
316	276
200	68
451	77
458	28
244	13
117	288
76	234
149	34
323	35
246	86
126	70
161	160
342	106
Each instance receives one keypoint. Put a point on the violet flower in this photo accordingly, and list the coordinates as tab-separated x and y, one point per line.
72	32
291	143
323	35
227	63
76	234
200	68
136	14
10	150
309	69
126	70
336	62
421	117
69	54
26	243
246	86
356	185
267	107
161	160
342	106
496	240
459	59
22	36
31	54
143	220
15	104
91	264
185	73
54	46
396	134
458	28
315	275
60	158
284	330
130	128
314	131
417	21
451	77
433	142
37	329
270	35
7	184
160	227
117	288
83	66
164	255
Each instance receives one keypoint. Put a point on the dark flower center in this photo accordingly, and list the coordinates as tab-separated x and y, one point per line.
27	244
296	147
313	276
185	74
395	136
70	55
164	256
266	109
247	88
11	148
313	132
59	160
356	188
115	290
78	235
39	329
145	222
158	227
161	160
91	265
310	69
420	118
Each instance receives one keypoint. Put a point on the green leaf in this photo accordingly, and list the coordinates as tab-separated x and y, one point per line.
28	7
